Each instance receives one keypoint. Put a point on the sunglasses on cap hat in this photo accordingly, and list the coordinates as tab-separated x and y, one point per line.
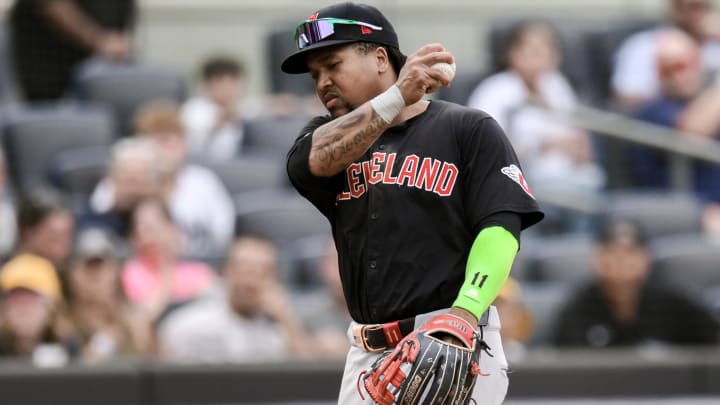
310	32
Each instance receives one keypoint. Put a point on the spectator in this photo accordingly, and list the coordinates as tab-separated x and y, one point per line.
46	226
711	221
635	77
624	305
253	321
197	198
30	322
527	99
325	314
685	105
214	120
49	38
8	220
134	174
516	321
106	325
156	279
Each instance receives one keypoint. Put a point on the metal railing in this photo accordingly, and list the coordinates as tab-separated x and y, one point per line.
681	148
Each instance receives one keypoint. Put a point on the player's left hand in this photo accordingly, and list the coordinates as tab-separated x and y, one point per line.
424	365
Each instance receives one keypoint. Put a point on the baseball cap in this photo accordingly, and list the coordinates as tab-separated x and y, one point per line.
93	243
622	230
32	273
338	24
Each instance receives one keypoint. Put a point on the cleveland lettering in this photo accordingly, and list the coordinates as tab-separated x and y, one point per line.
422	173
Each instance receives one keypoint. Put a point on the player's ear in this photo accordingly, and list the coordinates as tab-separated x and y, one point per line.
382	59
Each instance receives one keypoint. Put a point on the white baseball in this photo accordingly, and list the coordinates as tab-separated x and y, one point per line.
447	68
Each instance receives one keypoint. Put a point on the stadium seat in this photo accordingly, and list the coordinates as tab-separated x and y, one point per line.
560	259
126	87
688	260
249	173
600	45
281	214
280	44
660	213
8	86
462	86
272	135
691	263
304	257
77	171
35	136
292	222
544	301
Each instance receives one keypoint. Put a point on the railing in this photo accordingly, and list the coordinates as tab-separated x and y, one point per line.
681	148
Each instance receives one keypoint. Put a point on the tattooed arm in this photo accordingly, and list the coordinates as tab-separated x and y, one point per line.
341	141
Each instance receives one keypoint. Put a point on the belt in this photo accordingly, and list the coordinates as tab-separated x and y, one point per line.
378	337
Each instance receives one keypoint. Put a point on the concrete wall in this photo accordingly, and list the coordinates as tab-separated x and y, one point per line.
657	372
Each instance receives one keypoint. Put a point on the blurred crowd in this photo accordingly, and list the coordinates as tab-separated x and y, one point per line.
158	255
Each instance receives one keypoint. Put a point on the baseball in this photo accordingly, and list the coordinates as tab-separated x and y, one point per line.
447	68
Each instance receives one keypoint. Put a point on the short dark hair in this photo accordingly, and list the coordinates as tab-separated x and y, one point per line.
517	31
397	58
36	205
222	66
612	229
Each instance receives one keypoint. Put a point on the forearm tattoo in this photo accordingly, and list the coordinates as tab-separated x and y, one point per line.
341	141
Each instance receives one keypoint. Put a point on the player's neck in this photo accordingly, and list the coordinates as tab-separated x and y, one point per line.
411	111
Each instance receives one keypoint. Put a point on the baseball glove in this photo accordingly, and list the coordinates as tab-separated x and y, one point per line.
425	369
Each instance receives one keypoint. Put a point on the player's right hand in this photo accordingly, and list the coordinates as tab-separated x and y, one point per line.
416	78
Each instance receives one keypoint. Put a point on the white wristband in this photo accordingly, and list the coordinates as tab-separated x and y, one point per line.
388	104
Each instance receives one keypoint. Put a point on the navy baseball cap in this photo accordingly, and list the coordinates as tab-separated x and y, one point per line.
338	24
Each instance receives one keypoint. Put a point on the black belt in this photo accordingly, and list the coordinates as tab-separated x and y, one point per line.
377	337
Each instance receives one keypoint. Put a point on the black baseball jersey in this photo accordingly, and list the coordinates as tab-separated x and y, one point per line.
405	215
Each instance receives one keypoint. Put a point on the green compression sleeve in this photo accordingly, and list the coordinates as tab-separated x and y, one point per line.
488	266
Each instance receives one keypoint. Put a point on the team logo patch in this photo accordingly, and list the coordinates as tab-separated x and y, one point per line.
514	173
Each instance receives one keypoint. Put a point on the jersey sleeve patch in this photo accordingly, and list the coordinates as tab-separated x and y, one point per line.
516	175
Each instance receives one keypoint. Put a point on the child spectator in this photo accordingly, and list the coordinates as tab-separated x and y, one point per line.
214	119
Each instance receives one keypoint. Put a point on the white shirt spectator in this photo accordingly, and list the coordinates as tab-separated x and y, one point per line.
506	98
210	331
502	93
200	117
530	127
634	67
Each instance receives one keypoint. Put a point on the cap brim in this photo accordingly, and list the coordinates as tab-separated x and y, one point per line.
297	62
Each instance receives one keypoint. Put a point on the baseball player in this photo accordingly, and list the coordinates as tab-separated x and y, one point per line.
426	200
